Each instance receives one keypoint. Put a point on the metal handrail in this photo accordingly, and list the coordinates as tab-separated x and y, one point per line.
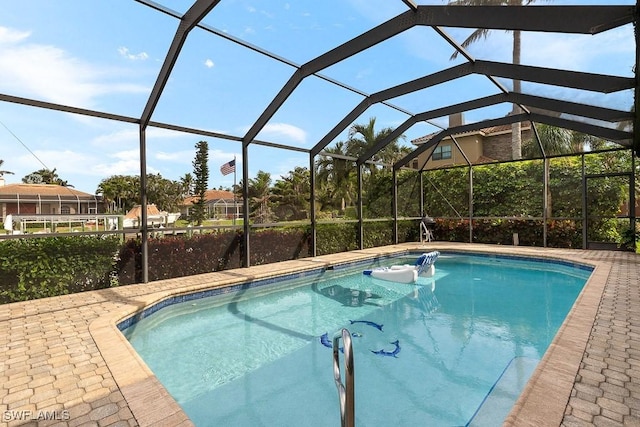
345	391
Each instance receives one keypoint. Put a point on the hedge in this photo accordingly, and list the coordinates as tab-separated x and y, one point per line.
40	267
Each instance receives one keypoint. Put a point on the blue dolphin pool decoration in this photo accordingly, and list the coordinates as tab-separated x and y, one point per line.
393	353
325	341
367	322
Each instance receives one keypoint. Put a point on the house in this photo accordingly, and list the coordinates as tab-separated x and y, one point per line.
219	204
480	146
45	199
155	217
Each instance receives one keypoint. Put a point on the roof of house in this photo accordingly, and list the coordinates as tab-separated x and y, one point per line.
486	132
136	211
484	159
43	190
210	195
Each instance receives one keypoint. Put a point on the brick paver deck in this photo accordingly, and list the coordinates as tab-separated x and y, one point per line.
64	362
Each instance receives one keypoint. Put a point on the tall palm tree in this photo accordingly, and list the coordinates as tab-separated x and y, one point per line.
364	137
554	140
260	195
291	195
45	176
187	182
483	33
335	175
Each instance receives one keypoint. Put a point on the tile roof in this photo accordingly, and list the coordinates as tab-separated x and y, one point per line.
487	132
43	190
136	211
210	195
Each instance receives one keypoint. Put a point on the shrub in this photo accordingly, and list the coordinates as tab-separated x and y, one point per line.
50	266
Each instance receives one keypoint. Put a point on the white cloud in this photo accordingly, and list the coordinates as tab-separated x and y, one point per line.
124	52
185	156
132	135
125	162
9	36
209	63
65	162
290	132
581	52
49	73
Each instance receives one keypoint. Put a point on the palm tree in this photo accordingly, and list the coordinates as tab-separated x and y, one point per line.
364	137
2	173
120	192
554	140
45	176
335	176
483	33
259	190
187	183
291	195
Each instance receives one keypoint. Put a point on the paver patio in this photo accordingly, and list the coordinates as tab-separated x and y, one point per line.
65	359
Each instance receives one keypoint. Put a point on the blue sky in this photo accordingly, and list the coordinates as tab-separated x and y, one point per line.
106	54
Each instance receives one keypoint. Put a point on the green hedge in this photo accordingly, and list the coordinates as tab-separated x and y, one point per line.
36	268
40	267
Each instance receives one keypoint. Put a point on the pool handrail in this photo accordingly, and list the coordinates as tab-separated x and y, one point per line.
345	391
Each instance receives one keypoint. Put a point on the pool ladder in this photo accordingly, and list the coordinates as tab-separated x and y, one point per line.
345	391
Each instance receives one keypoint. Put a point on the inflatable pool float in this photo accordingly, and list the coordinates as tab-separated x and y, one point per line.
424	266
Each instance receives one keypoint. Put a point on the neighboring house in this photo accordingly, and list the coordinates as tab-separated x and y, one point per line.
155	217
219	204
480	146
45	199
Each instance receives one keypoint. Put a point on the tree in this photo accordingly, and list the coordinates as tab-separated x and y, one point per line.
291	195
260	195
2	172
364	137
558	141
164	193
201	172
187	184
45	176
119	192
334	177
554	140
483	33
122	192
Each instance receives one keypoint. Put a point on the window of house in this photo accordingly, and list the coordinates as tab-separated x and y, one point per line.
65	210
442	152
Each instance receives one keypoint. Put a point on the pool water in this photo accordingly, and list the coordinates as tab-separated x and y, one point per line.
454	349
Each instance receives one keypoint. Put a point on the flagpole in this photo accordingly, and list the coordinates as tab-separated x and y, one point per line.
235	206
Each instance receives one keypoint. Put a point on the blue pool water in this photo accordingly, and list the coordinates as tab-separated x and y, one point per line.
452	350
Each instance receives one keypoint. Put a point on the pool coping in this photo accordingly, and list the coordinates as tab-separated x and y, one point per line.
542	402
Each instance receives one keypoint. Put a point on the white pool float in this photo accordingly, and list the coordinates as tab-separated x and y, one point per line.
424	266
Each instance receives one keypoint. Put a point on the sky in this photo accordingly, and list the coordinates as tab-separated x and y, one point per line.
105	55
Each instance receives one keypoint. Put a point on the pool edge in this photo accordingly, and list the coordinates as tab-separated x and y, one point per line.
548	391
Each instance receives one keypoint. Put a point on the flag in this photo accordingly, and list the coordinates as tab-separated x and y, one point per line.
228	167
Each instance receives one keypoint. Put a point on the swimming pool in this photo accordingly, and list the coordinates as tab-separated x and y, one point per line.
452	350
